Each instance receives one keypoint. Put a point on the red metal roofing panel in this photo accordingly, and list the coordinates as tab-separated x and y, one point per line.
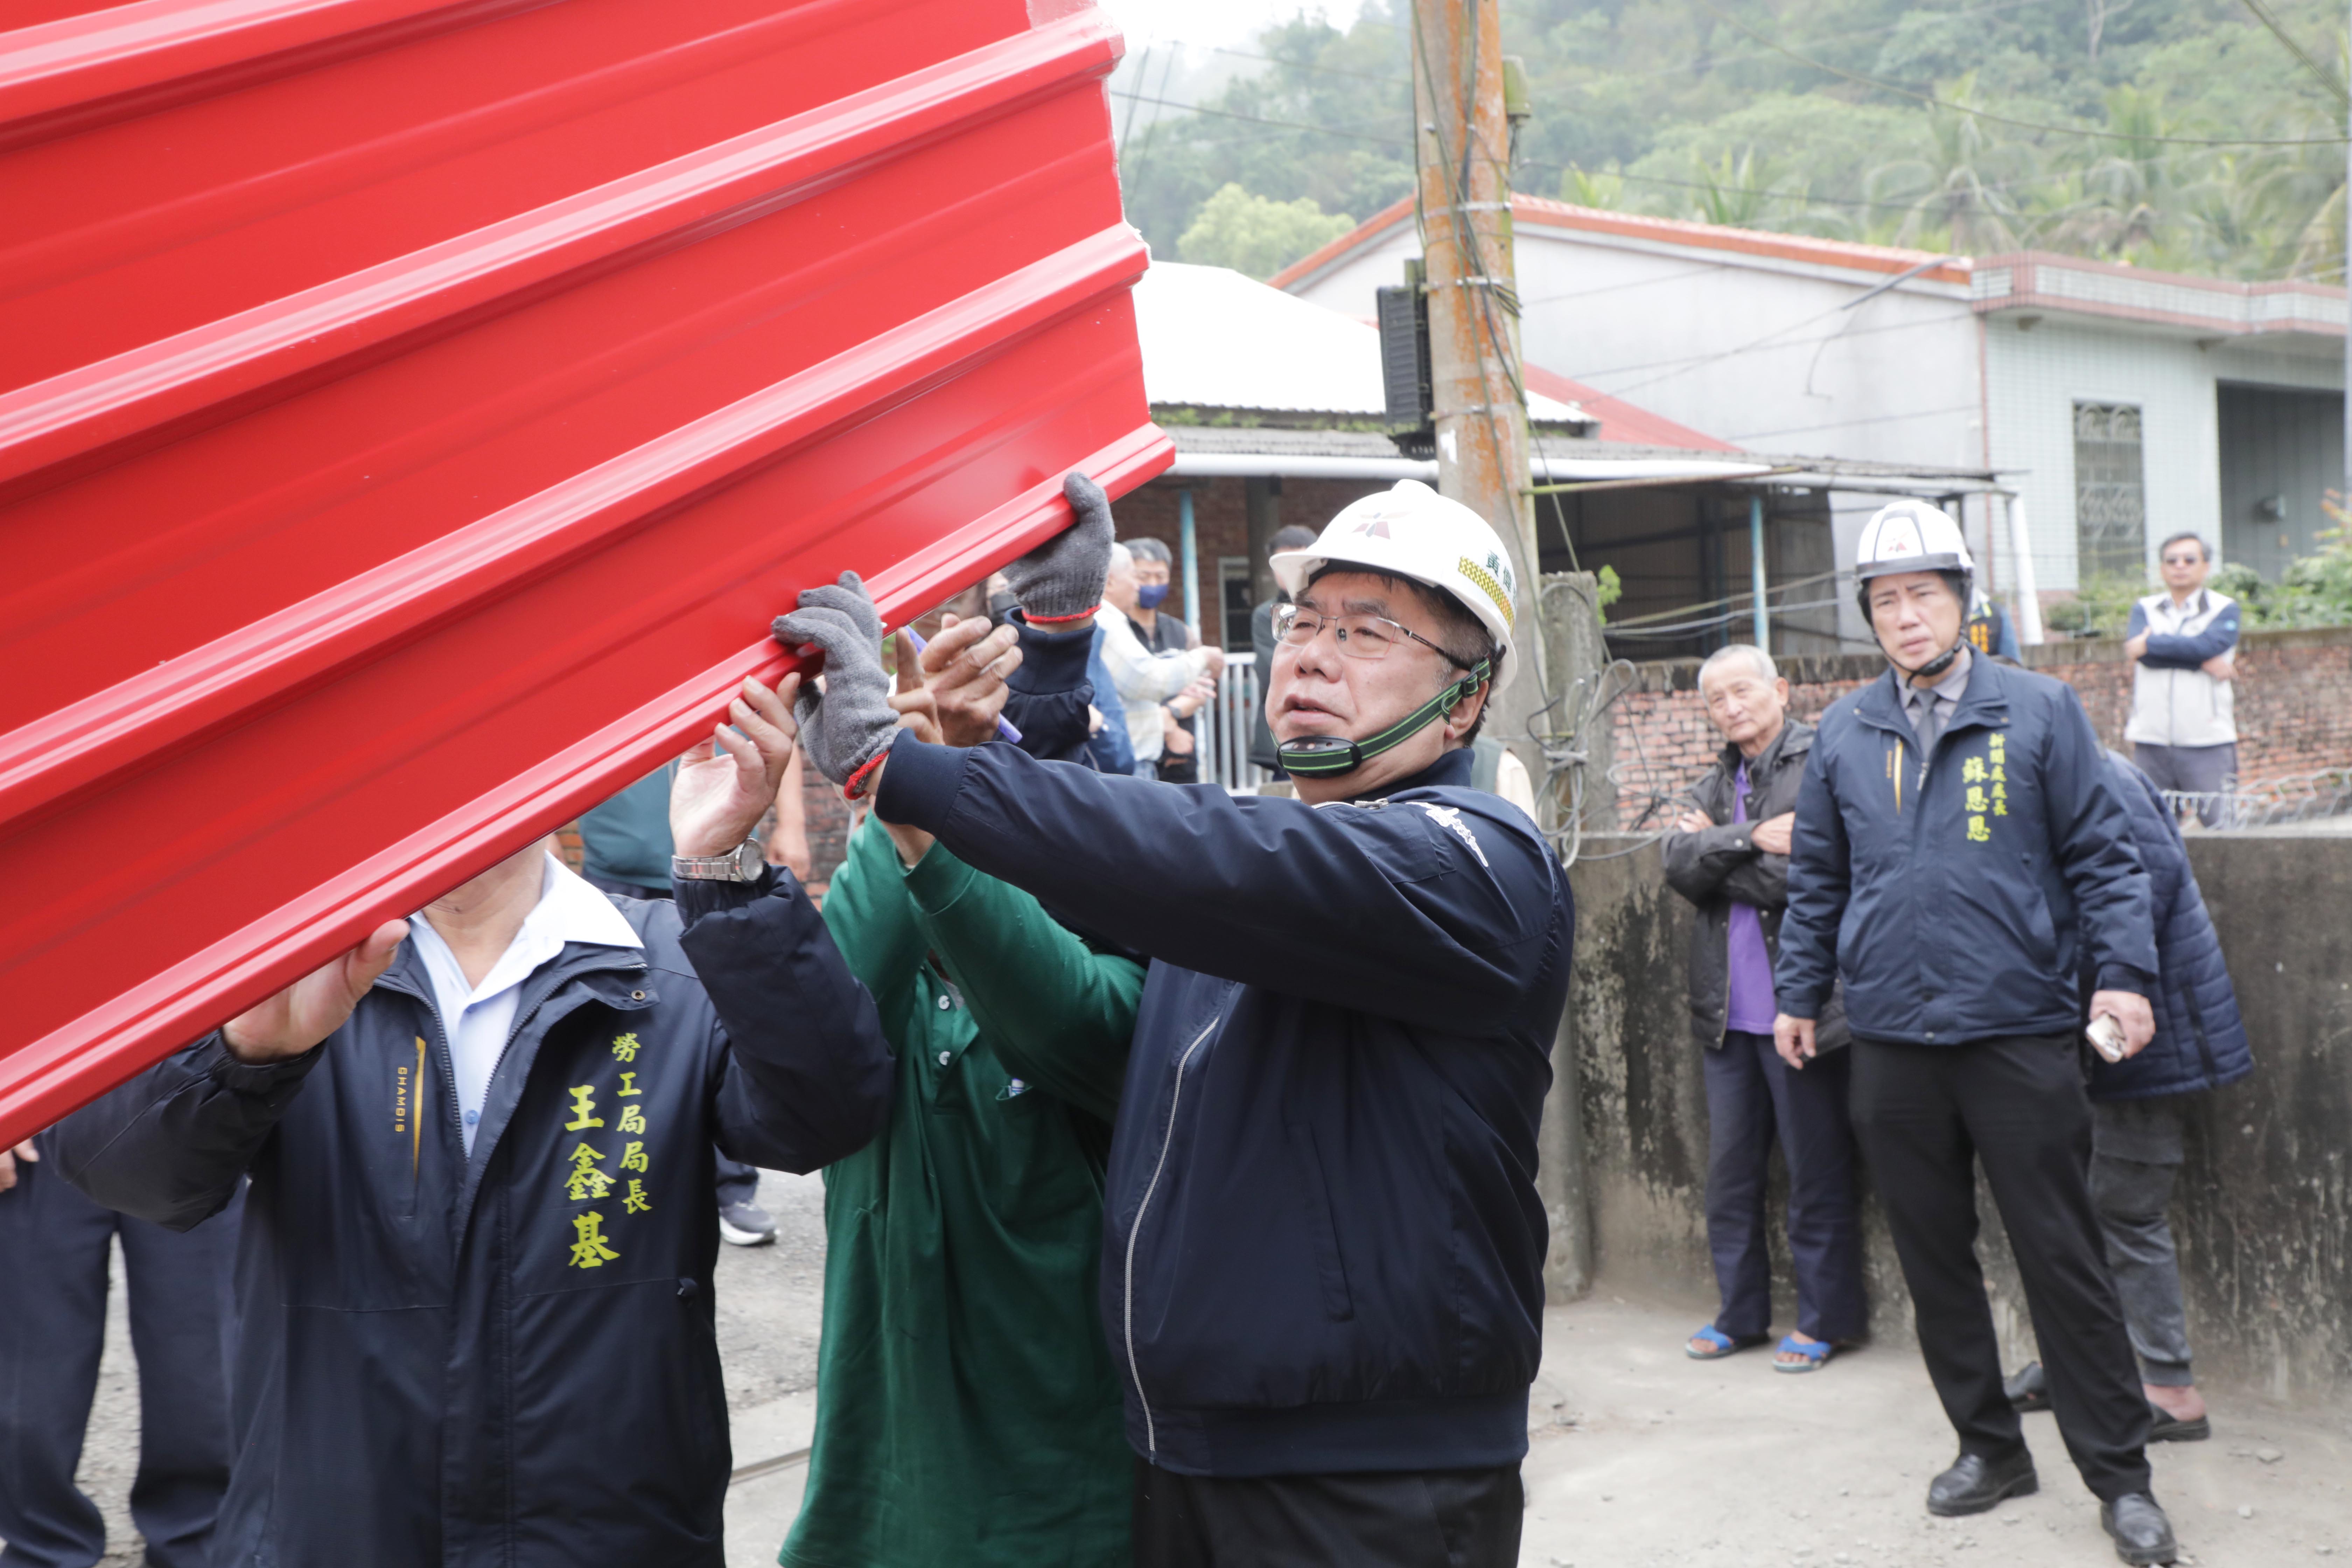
411	416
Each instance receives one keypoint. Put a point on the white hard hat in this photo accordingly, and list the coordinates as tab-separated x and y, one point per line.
1911	536
1414	532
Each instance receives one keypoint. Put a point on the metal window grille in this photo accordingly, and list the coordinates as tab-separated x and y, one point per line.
2110	494
1223	732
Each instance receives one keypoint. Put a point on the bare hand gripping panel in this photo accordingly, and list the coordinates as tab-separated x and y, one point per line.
412	413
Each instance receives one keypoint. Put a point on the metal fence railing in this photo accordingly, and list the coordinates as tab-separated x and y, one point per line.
2268	803
1223	731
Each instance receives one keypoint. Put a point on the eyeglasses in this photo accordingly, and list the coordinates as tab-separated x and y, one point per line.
1360	634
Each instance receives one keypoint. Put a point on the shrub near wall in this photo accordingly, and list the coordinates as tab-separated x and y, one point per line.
2294	707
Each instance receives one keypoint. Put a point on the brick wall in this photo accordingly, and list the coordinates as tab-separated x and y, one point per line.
2293	706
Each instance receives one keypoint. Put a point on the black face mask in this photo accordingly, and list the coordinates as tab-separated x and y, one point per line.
1001	606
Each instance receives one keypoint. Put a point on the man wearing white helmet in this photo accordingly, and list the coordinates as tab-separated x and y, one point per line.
1960	854
1322	1247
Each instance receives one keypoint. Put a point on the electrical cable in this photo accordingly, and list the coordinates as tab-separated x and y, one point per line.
2326	77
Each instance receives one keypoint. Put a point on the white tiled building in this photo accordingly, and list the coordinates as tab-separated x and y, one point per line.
2121	405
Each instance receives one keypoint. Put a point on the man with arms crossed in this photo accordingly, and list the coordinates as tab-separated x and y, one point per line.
2183	644
1323	1249
1958	842
1729	856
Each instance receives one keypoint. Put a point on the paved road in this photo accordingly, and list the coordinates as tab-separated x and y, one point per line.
1638	1458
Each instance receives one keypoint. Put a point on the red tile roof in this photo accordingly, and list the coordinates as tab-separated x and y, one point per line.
1542	212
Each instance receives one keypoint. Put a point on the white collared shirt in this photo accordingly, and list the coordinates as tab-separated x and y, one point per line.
476	1019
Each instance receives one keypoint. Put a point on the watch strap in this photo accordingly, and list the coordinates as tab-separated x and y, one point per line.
740	864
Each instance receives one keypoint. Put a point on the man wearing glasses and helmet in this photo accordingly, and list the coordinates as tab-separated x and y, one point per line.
1323	1247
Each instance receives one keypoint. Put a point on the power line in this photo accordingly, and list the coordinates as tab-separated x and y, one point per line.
1262	120
1929	97
2327	78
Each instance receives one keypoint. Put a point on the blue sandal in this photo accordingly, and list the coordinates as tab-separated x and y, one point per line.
1815	1353
1722	1345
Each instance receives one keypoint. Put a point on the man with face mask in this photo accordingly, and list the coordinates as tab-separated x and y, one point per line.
1159	680
1323	1246
1959	851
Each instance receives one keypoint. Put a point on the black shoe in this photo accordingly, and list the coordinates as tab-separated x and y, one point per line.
1977	1484
2142	1533
2030	1389
746	1225
2165	1427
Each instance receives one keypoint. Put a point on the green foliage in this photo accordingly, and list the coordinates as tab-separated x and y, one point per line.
2100	606
2316	590
1252	234
1611	589
1662	106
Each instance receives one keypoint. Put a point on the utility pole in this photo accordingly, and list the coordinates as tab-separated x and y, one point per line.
1463	151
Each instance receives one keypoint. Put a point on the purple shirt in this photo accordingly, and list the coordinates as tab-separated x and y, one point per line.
1751	1006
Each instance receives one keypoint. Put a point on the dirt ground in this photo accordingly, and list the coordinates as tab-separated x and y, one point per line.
1638	1458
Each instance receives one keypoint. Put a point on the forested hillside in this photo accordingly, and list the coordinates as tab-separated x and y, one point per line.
2201	136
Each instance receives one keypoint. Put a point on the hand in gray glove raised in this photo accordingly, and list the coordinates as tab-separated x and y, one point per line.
1062	579
851	722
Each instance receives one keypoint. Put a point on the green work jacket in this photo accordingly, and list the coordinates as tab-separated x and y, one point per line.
968	1409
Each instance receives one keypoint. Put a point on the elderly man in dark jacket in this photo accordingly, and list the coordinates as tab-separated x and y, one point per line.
2139	1107
1730	856
1961	855
476	1266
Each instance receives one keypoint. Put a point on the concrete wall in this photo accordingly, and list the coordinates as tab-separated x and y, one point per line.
2263	1209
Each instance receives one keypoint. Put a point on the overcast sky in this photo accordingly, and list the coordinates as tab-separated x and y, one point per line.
1214	22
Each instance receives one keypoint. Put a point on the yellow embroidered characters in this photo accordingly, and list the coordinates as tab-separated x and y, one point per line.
583	1103
633	1119
586	1180
588	1248
1987	781
636	1201
625	1049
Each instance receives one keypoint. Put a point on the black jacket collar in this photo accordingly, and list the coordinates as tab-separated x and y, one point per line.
1794	740
1452	768
1985	702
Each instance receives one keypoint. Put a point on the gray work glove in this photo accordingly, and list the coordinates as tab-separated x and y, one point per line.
851	721
1063	578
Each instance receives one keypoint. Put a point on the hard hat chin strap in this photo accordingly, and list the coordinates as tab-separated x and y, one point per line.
1934	667
1328	756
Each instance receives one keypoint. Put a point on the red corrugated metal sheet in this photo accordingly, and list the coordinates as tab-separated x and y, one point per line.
411	415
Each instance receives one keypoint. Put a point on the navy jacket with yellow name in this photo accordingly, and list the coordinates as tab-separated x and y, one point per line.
1953	893
507	1358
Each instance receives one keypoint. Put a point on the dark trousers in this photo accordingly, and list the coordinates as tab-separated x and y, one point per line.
1925	1115
1751	1094
738	1182
54	1256
2191	769
2135	1153
1412	1519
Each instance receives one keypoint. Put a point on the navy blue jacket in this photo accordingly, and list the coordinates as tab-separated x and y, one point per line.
1322	1250
1952	894
496	1361
2201	1040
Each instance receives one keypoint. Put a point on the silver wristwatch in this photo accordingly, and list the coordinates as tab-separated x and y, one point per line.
741	864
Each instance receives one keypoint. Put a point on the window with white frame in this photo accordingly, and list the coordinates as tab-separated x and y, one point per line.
2110	492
